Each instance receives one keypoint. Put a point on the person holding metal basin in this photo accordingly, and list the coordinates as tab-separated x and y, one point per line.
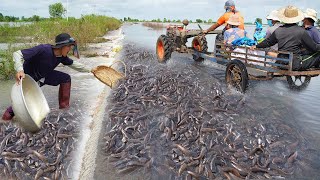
40	62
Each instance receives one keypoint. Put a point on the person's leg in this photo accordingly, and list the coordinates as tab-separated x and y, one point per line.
64	80
8	114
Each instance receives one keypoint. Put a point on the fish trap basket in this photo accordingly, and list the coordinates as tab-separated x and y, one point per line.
108	75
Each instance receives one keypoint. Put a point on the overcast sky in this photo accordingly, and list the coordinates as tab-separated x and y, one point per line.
152	9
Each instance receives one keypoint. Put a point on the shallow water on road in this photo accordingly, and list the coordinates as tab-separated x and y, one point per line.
269	102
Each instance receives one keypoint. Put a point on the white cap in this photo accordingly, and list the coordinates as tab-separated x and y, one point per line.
311	13
273	15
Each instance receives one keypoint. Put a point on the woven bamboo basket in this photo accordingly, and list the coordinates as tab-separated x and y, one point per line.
108	75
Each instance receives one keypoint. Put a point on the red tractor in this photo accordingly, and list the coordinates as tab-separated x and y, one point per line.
176	38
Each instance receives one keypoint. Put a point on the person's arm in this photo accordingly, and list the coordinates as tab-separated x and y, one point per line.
308	42
212	28
225	37
18	65
220	21
317	36
79	67
18	61
75	65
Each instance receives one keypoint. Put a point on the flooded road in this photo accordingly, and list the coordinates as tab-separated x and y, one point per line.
303	104
269	107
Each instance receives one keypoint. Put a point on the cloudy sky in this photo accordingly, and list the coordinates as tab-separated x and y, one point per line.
152	9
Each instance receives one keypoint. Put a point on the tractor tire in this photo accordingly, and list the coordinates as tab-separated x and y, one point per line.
237	75
298	82
199	43
163	49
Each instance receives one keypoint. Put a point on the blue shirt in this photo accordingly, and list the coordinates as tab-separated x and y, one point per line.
233	34
40	61
314	33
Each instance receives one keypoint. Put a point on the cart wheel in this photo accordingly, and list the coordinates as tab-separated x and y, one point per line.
298	82
163	49
237	75
200	44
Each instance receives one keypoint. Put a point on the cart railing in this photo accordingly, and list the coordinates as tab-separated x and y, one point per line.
258	59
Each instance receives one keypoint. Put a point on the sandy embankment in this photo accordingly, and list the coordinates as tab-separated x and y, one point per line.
85	154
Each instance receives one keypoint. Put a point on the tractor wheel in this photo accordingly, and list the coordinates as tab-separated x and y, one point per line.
298	82
200	44
237	75
163	49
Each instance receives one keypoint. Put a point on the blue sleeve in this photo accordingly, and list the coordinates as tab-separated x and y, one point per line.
66	61
316	37
226	36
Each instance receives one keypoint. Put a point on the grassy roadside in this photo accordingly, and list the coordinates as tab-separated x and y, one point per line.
85	30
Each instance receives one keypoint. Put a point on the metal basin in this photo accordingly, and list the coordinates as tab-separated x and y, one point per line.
29	104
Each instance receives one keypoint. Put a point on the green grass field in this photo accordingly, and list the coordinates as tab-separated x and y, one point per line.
85	30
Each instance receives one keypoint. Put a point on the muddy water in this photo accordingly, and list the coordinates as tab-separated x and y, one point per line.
267	102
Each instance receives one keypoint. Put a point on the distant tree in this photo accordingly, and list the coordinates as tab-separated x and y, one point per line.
168	20
198	20
35	18
173	20
1	17
259	20
178	20
190	21
124	19
210	21
56	10
318	22
158	20
204	21
164	20
129	19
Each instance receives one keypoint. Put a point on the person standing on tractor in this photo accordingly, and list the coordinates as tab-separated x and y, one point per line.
40	61
230	10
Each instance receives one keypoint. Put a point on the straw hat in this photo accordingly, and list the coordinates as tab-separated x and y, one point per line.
273	15
311	13
234	20
290	15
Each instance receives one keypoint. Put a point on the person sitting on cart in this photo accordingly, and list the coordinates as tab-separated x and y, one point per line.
310	17
233	31
291	38
259	34
40	61
273	22
230	10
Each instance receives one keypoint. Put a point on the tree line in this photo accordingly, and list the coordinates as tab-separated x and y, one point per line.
165	20
55	10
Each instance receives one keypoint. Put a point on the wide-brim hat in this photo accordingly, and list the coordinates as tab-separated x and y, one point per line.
312	14
63	39
234	20
290	15
273	15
